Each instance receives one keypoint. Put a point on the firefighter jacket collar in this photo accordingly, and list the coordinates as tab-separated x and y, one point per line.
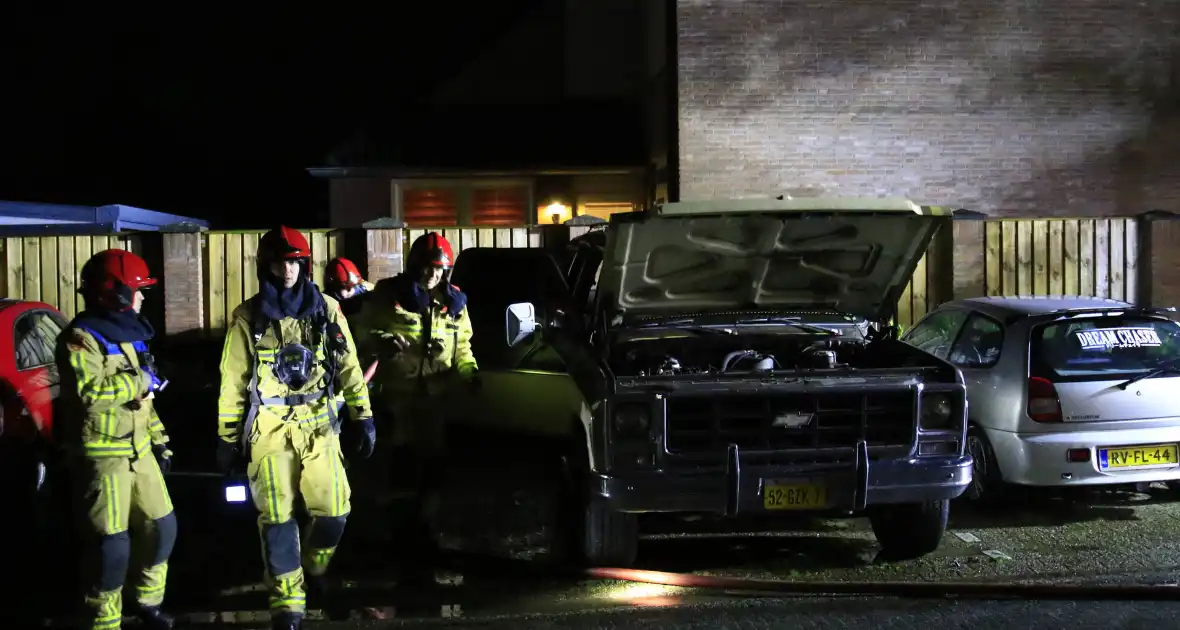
298	302
116	326
411	296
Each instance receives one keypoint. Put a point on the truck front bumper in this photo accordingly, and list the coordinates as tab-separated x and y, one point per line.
739	489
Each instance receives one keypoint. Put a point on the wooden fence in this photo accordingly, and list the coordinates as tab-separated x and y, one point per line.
1097	257
231	260
45	268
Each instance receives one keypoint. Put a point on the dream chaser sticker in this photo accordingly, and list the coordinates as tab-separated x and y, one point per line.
1107	338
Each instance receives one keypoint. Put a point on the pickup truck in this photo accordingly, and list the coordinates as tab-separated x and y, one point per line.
713	358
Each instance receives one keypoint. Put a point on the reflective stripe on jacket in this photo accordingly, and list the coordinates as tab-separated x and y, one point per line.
237	366
447	350
104	386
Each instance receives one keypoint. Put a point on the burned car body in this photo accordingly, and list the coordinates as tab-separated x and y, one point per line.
732	358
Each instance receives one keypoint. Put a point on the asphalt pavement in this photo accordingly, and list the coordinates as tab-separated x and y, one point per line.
1035	538
1039	538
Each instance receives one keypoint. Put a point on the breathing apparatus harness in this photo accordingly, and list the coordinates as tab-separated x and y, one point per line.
326	335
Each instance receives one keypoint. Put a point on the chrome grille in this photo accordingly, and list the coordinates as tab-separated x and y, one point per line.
767	421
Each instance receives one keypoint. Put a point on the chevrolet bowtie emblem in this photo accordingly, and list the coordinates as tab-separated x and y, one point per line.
792	420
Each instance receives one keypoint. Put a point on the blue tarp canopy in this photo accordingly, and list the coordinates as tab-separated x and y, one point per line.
19	218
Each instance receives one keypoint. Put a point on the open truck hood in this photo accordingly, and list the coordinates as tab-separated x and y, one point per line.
852	255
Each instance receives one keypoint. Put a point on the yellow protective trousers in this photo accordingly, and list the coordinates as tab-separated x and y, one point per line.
289	459
119	495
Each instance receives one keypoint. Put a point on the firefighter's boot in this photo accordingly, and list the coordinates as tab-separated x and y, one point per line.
152	618
287	621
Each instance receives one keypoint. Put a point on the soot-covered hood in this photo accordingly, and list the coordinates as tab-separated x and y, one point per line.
851	255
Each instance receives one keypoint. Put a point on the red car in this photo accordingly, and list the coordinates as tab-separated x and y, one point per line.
28	372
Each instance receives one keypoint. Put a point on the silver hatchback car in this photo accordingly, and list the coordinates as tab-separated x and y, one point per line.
1062	391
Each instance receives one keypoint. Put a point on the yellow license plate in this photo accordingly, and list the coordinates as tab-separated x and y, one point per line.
1138	456
794	497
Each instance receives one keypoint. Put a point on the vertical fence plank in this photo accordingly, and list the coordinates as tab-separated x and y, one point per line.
83	250
250	264
1117	272
319	256
1069	257
1086	257
1056	257
32	258
1008	258
487	237
1024	258
14	268
336	246
67	277
1040	257
1101	258
1131	262
49	274
233	274
468	238
215	257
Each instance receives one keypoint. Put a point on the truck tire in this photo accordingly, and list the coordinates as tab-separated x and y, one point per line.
909	530
609	538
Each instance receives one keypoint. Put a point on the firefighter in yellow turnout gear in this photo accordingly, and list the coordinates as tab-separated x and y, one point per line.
286	350
118	445
417	325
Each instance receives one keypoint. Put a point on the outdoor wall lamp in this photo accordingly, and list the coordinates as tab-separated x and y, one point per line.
557	211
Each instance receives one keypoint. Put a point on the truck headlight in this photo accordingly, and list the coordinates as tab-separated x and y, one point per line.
937	411
632	419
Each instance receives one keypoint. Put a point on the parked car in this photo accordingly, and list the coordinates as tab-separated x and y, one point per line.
724	358
1063	391
30	385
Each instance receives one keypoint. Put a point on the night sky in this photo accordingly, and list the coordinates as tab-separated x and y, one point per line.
211	114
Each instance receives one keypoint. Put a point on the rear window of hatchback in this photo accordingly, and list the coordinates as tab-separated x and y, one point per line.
1102	347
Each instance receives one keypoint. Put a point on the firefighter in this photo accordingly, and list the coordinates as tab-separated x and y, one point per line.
118	446
417	325
343	281
285	352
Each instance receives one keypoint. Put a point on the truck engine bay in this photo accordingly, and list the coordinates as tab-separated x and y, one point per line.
753	353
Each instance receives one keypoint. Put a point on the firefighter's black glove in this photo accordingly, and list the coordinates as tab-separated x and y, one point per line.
474	382
366	437
163	457
228	456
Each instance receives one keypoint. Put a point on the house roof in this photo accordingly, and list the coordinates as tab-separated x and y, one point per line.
571	136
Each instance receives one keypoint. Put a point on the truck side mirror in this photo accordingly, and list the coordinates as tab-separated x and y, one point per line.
520	321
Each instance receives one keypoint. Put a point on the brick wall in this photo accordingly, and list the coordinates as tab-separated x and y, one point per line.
1010	107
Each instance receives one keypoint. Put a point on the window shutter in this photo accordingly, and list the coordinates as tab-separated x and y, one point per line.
430	207
500	206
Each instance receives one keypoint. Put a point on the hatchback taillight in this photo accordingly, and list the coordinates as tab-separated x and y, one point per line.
1043	403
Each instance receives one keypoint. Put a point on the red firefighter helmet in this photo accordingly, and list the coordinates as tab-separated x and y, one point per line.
430	250
113	276
283	243
343	273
